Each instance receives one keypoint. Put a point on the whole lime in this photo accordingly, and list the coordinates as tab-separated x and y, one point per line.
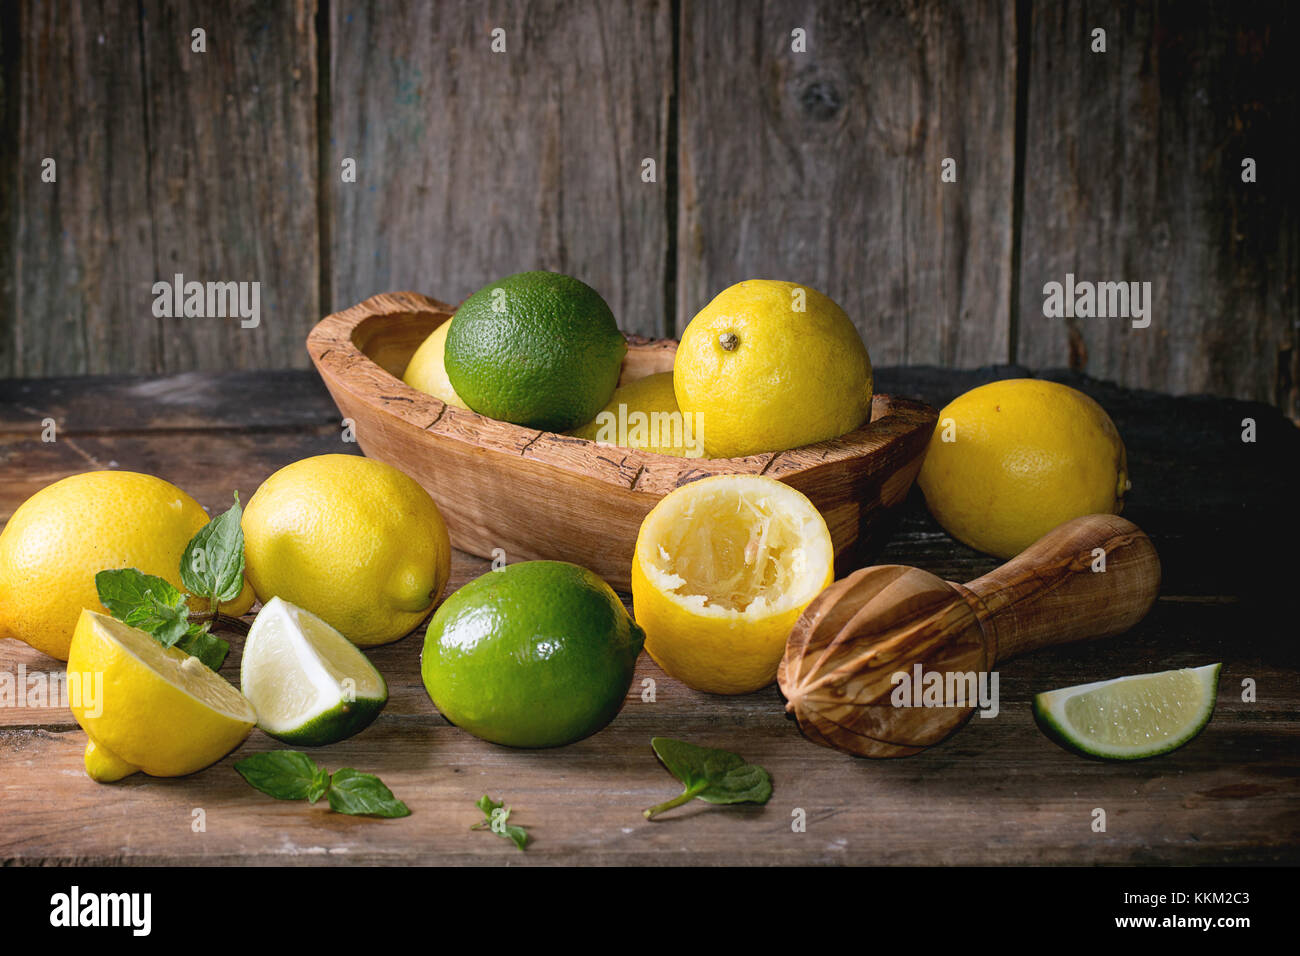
537	654
538	349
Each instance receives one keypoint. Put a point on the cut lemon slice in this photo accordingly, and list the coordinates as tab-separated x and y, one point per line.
148	707
723	568
1132	717
308	683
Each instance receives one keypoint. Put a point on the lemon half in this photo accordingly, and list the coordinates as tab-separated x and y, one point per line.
723	568
148	707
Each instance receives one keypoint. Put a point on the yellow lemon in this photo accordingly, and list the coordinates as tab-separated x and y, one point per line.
1011	460
427	371
354	541
771	365
148	707
643	414
62	536
723	568
104	766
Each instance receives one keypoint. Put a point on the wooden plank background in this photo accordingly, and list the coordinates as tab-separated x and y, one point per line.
1133	172
822	166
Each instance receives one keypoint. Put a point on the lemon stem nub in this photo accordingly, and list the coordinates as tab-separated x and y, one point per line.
728	341
104	766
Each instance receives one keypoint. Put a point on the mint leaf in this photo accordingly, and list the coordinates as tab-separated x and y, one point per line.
715	776
144	601
213	563
320	785
283	774
363	794
207	647
292	775
518	834
498	815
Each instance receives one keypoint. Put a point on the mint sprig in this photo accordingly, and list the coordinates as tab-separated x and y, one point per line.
498	817
212	567
715	776
292	775
144	601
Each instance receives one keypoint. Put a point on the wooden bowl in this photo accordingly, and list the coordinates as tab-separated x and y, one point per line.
535	494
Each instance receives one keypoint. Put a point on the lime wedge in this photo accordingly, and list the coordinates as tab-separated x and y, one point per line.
308	683
1129	718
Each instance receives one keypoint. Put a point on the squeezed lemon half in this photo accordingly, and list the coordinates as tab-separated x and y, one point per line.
723	568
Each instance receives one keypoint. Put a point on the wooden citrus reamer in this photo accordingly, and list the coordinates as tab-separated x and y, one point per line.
839	665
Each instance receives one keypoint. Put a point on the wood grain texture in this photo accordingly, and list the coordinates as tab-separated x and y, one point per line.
1133	173
824	167
10	110
479	469
838	671
999	792
232	172
473	165
83	255
169	161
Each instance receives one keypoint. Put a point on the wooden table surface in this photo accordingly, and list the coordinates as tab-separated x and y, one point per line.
1222	513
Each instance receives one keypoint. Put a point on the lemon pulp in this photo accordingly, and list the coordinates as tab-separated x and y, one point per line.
722	569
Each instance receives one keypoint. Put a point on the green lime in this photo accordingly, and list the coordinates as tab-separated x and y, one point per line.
537	654
539	349
308	683
1132	717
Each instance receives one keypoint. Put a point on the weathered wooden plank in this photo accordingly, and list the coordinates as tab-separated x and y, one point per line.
1133	172
998	792
233	173
473	164
194	401
169	161
83	259
824	167
10	109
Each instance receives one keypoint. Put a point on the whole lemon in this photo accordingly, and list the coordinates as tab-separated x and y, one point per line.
353	540
771	365
427	370
1011	460
62	536
643	414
